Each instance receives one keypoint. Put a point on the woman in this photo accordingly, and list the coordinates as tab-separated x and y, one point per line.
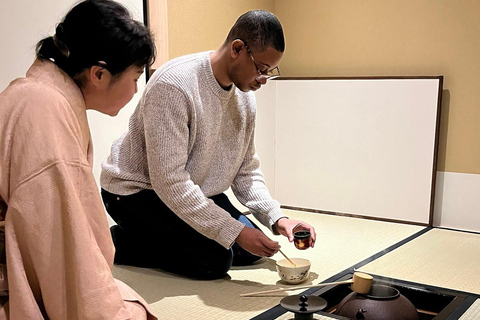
59	252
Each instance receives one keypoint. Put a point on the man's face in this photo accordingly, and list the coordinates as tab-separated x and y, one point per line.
254	67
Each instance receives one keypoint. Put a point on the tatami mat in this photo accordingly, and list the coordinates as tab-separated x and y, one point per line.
473	313
442	258
341	243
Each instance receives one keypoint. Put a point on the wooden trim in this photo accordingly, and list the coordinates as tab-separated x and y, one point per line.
435	151
145	13
354	215
359	78
146	23
158	24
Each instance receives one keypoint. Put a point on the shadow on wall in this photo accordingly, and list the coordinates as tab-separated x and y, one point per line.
444	118
441	157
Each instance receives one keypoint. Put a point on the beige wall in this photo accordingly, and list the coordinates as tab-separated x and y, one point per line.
195	25
377	37
368	37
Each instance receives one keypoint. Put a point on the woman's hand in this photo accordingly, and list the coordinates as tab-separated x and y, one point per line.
287	227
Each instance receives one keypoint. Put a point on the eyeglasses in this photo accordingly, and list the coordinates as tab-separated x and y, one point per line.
265	73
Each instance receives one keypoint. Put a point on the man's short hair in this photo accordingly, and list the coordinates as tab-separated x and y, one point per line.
259	29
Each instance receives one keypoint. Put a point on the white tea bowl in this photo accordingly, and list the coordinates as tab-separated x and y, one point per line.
293	274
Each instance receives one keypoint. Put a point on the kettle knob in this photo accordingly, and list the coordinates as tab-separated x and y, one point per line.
359	315
303	302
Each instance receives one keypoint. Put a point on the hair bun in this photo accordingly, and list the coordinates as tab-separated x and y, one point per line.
58	43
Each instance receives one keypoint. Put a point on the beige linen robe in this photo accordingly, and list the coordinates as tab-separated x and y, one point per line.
58	244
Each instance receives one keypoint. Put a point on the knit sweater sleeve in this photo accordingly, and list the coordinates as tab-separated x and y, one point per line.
250	189
168	115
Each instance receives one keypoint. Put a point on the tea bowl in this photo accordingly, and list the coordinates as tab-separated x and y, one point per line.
293	274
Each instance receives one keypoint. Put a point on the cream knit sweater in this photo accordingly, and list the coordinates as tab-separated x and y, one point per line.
190	139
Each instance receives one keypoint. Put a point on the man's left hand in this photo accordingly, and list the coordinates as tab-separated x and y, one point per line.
287	227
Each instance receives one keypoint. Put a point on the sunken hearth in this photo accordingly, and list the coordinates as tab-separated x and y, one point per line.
430	302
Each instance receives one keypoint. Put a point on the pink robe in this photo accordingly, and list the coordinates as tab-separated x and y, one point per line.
58	245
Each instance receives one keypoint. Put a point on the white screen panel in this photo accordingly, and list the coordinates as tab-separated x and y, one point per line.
357	146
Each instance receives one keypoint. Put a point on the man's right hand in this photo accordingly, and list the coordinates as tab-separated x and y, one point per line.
257	243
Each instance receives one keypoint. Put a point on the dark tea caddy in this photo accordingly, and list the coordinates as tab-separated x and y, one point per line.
301	239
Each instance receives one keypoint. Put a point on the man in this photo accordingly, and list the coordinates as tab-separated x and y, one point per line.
189	140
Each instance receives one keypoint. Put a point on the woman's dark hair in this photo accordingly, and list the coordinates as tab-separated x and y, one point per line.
96	32
260	29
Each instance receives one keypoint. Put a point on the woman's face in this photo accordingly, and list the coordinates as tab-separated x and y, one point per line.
108	94
121	90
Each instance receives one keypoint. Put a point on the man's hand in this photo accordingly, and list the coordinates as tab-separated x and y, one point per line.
287	227
257	243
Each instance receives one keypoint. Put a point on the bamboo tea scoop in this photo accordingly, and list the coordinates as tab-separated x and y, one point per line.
293	263
361	283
